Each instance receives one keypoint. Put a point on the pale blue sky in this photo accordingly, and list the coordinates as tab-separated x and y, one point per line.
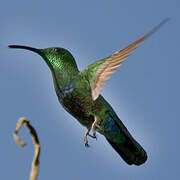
144	91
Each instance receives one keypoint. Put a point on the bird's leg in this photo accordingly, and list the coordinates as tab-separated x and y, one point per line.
85	137
87	134
94	126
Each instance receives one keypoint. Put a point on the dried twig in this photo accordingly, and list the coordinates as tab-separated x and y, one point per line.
35	162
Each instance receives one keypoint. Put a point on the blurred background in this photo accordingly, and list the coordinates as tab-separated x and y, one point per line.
144	91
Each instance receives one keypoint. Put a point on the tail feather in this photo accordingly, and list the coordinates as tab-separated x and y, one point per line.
130	151
119	137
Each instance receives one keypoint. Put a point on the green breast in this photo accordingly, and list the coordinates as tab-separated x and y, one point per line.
77	100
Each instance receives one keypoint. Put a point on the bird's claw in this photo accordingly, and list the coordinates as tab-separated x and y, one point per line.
87	134
86	144
93	136
85	137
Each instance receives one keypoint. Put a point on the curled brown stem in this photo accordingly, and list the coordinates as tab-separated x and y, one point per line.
35	162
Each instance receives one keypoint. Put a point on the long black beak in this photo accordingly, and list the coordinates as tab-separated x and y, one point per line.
24	47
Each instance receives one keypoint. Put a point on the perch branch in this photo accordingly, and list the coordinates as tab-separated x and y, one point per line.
35	162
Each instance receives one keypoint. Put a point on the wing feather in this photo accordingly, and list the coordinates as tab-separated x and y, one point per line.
107	66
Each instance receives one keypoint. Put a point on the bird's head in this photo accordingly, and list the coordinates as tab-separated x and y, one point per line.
55	57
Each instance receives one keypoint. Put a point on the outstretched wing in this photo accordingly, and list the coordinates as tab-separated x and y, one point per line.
100	71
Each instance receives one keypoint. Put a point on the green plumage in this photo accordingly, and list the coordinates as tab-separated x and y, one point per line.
74	93
79	93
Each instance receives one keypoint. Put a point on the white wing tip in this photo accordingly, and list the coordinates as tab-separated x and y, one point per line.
94	94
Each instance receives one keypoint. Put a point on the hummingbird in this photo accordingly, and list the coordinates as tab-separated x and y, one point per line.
79	92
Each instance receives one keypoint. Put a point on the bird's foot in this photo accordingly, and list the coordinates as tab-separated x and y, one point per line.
86	144
93	136
85	137
87	134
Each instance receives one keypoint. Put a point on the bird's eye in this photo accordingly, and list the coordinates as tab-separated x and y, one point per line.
56	50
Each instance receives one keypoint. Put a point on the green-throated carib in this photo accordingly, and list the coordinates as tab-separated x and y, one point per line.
79	93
